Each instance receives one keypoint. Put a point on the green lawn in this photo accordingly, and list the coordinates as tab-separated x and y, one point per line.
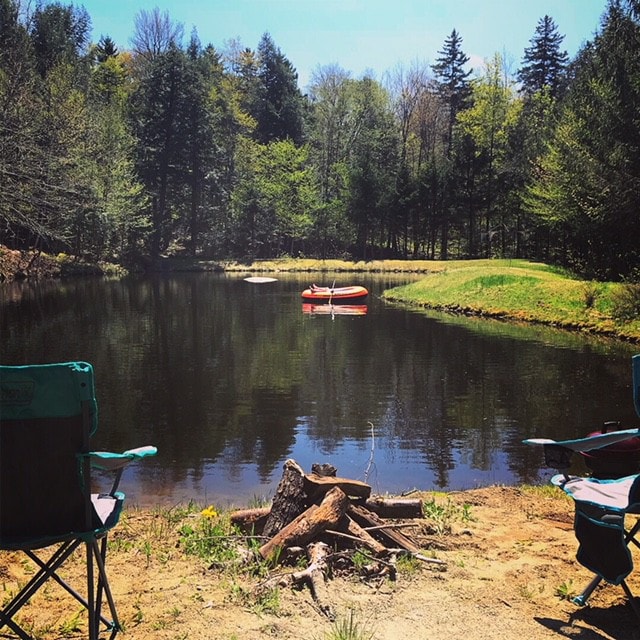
521	290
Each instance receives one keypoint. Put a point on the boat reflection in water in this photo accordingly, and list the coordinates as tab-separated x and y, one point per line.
334	309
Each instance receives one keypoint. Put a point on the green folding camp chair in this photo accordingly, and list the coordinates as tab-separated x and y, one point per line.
602	502
47	415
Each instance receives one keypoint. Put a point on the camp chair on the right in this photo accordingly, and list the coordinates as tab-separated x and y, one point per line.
602	503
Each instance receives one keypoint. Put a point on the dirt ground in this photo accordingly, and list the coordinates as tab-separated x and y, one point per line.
509	568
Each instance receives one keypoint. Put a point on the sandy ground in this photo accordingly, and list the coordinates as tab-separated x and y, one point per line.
507	569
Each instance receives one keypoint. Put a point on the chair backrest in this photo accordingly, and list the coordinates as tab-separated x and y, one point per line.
47	414
635	375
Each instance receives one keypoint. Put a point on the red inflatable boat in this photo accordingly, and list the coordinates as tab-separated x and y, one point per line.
334	295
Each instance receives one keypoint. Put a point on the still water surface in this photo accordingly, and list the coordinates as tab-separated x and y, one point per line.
229	379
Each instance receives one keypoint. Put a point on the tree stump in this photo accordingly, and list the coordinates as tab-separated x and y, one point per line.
289	501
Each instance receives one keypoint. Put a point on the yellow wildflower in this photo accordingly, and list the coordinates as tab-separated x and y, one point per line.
209	512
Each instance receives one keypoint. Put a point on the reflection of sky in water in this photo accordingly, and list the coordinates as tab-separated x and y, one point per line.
229	380
388	469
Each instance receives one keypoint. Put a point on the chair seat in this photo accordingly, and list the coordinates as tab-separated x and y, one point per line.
618	494
107	509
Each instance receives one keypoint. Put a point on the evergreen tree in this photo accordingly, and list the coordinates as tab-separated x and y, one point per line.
159	105
60	35
119	195
589	180
201	150
453	87
278	108
105	49
488	123
452	81
544	64
372	166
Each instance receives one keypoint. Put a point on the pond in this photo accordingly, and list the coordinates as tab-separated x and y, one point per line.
230	379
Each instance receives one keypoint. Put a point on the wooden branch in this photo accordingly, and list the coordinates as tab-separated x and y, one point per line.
317	485
390	525
395	507
388	536
348	525
315	575
251	520
309	524
417	556
289	501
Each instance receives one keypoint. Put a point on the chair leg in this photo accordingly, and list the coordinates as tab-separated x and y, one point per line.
629	536
581	600
47	570
95	559
91	608
81	599
631	599
100	554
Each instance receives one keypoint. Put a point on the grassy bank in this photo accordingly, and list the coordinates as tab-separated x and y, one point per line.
524	291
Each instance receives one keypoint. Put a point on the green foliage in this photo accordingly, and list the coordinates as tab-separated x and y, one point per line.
544	64
208	537
279	108
349	628
626	302
274	200
125	155
566	590
586	182
442	515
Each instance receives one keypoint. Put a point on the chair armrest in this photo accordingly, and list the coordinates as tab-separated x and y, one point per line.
108	461
588	443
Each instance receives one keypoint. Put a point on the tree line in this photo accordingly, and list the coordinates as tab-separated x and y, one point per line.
172	148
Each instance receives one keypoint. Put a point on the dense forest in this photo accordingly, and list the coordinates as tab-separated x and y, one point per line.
175	147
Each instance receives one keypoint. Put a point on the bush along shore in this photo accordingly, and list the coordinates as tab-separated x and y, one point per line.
514	290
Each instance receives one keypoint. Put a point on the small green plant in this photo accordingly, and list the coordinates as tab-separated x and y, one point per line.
267	601
442	516
27	567
407	564
349	628
626	302
138	616
526	592
208	537
73	624
565	591
146	548
360	560
590	294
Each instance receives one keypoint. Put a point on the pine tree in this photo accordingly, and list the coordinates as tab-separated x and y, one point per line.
589	179
544	64
280	105
454	90
60	34
452	80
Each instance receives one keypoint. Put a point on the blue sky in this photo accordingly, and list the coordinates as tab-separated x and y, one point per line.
361	35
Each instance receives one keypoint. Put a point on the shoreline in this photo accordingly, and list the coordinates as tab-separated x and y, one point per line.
510	571
509	290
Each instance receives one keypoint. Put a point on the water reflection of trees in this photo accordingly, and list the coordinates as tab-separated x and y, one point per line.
215	372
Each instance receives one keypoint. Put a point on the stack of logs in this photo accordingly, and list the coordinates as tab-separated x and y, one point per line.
327	518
